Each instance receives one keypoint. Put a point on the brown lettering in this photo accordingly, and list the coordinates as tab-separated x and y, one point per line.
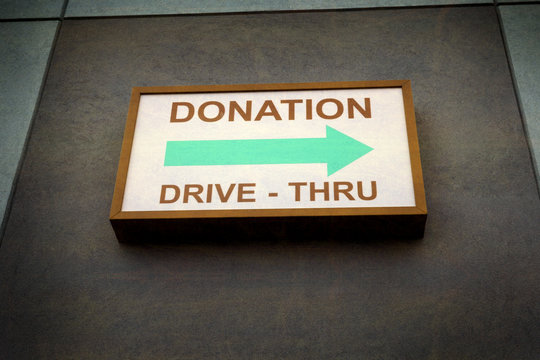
338	190
221	111
313	191
339	110
272	111
373	191
224	197
193	190
309	109
245	114
174	111
365	111
291	106
242	192
297	186
164	188
209	194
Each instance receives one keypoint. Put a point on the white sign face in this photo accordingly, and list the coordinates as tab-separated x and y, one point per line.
274	149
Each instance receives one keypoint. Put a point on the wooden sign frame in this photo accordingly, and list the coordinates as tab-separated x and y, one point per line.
167	225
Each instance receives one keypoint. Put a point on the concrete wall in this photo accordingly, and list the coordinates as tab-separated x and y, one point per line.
468	290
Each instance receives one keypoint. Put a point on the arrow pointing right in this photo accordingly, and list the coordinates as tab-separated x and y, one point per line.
337	150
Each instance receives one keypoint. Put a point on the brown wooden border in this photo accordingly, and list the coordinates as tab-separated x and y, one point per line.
116	212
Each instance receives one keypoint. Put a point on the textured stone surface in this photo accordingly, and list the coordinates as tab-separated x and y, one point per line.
468	290
522	30
25	49
141	7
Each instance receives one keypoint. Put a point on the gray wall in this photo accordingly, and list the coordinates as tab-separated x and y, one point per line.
468	290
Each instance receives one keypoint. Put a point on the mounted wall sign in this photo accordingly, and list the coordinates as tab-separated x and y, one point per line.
313	156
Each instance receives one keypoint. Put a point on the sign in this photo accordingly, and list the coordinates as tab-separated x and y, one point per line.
317	150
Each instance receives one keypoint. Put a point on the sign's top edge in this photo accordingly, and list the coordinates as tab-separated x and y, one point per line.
140	90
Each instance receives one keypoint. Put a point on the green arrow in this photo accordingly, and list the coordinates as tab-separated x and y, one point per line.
337	150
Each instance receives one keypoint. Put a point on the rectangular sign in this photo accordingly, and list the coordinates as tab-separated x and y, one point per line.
269	150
